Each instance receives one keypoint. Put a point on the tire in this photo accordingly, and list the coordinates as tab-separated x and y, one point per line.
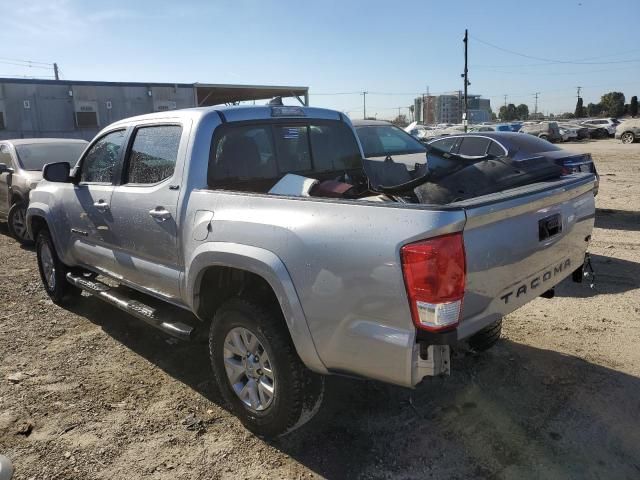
53	272
487	337
296	392
543	137
627	138
16	221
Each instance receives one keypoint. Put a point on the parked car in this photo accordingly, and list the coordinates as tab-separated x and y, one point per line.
380	139
609	124
544	130
579	132
21	163
516	147
567	134
258	224
628	131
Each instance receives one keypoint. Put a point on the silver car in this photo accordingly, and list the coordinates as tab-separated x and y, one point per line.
628	131
21	163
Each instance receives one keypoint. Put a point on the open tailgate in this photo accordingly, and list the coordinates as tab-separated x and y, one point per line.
520	243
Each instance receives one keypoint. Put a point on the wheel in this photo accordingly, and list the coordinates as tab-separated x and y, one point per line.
487	337
627	137
52	271
17	223
258	370
544	137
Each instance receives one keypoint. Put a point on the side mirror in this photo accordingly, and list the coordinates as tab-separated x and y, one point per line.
5	169
56	172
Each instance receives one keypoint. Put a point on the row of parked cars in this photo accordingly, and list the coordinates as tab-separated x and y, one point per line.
560	131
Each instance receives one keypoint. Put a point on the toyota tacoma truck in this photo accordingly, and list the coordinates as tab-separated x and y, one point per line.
260	226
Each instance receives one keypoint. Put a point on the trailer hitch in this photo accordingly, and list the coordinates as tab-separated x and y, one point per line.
585	271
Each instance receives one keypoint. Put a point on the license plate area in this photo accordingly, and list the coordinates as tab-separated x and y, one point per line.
549	227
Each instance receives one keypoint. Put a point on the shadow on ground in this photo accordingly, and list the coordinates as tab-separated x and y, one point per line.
612	275
617	219
515	411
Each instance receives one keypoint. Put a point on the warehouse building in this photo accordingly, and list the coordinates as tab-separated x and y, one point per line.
79	109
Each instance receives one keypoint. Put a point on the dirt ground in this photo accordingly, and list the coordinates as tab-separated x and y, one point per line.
89	393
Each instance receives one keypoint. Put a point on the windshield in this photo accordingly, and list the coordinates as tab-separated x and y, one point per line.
382	140
34	156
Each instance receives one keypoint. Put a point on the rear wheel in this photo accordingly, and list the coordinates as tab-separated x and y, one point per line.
17	223
544	137
487	337
52	271
627	137
258	370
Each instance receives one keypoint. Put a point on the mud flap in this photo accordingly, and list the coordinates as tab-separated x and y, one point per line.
430	361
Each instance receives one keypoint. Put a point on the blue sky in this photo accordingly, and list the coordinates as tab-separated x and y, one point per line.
394	50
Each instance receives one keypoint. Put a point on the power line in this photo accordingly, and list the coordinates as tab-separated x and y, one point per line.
25	61
550	60
4	62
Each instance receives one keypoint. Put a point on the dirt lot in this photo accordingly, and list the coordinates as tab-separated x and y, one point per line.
90	393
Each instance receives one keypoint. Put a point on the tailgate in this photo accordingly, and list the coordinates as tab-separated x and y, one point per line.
522	242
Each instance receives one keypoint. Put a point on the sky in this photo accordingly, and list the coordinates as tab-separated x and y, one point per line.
394	50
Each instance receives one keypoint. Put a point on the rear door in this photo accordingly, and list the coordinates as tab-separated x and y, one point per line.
519	246
144	208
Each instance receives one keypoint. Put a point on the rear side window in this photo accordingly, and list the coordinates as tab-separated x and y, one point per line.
153	154
447	144
254	157
99	163
474	146
495	149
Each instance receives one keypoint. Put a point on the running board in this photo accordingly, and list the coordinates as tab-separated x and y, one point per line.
160	317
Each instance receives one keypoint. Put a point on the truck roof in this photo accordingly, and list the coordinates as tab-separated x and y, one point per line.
237	113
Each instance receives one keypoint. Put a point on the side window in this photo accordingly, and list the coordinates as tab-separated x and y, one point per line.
495	149
474	146
446	144
99	163
5	156
153	154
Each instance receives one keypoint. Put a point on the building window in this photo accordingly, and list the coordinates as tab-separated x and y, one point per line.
2	126
86	119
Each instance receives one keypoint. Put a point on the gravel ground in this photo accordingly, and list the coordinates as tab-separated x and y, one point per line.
89	393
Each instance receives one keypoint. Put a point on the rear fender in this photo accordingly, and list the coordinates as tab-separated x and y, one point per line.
268	266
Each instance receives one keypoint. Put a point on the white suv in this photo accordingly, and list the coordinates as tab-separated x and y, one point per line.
609	123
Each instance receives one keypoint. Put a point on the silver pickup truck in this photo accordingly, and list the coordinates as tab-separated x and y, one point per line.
192	214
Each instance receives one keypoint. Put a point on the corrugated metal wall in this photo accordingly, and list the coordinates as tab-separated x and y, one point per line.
45	110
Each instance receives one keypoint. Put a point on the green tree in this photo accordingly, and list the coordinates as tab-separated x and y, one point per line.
633	106
594	109
522	111
568	115
508	113
613	103
400	120
579	108
494	117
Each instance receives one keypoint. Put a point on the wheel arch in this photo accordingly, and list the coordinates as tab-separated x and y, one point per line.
230	269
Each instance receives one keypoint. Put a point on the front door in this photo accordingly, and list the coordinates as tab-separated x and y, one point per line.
88	203
144	210
5	179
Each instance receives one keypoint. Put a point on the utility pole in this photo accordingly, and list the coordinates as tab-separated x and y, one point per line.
364	104
465	119
579	88
55	71
505	101
535	109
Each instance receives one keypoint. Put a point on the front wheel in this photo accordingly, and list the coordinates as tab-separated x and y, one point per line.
52	271
17	223
627	137
258	370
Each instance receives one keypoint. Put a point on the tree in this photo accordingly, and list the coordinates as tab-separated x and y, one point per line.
568	115
579	108
594	109
400	120
508	113
613	103
494	117
633	106
523	111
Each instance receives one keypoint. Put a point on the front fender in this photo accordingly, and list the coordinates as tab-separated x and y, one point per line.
268	266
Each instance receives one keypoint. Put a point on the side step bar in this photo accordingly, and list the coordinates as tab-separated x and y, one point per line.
156	317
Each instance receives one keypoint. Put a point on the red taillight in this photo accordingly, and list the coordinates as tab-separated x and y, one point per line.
434	274
566	171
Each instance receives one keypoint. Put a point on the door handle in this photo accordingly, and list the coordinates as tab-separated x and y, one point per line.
101	205
160	213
